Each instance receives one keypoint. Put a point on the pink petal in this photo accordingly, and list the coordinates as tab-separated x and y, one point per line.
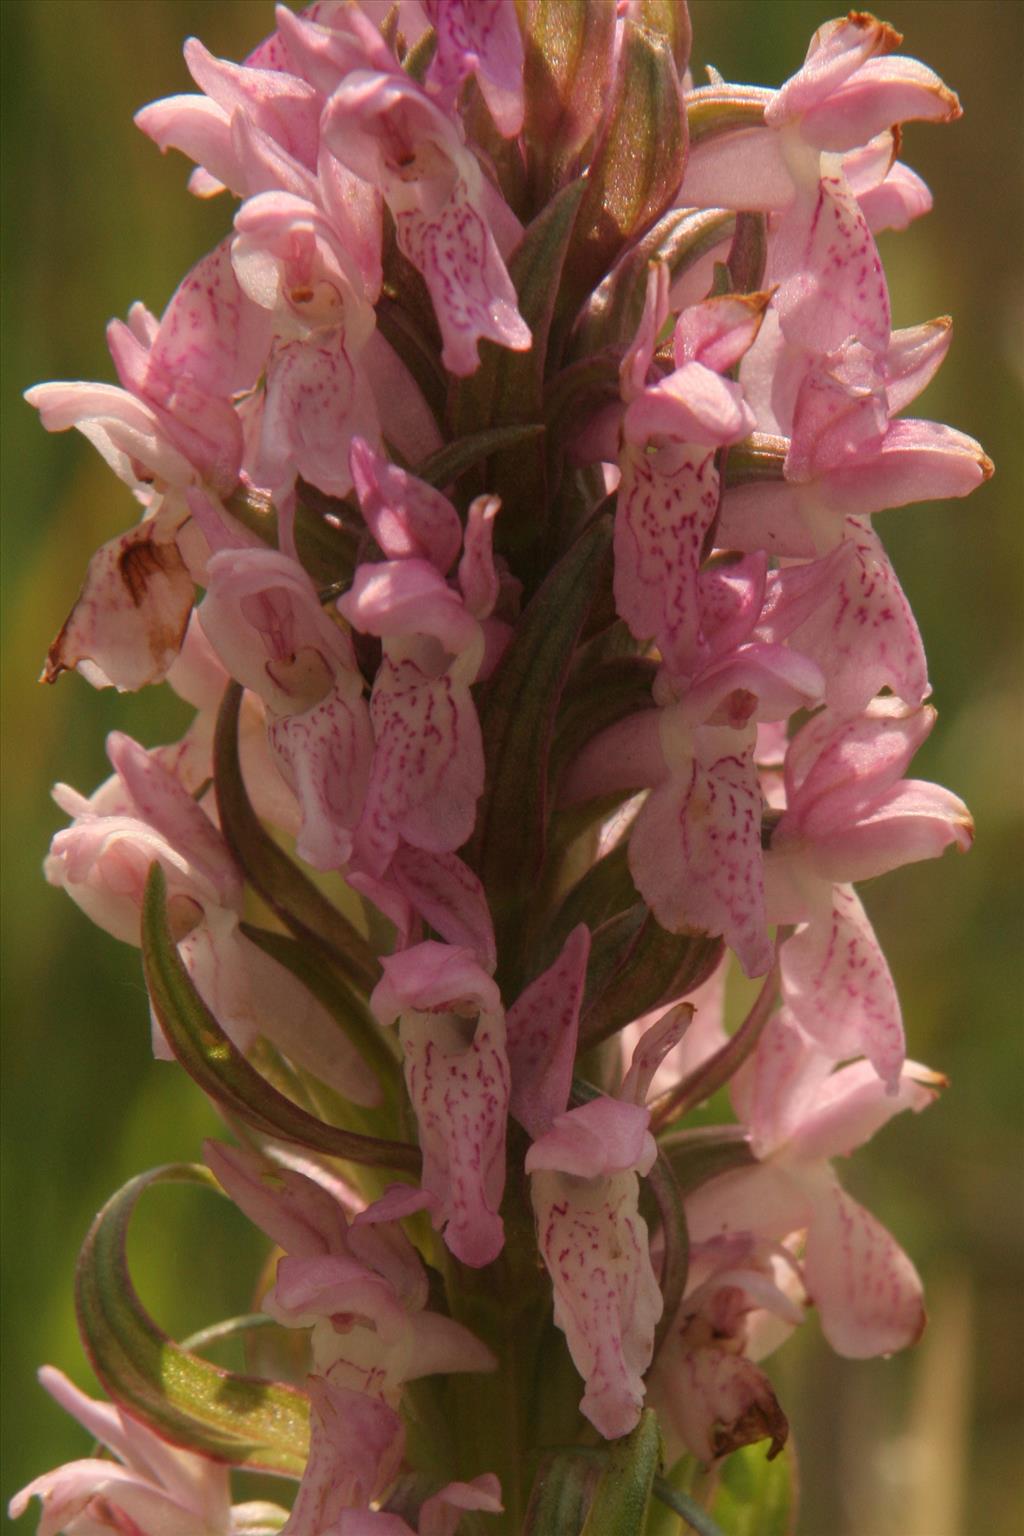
199	129
913	359
849	614
263	618
315	404
277	102
432	976
298	1214
639	356
651	1049
324	755
599	1139
767	516
837	765
458	1082
881	92
211	330
129	620
745	169
542	1028
780	1084
692	405
838	50
665	507
482	38
479	582
715	1402
917	461
163	803
406	516
837	288
356	1447
472	293
717	332
695	852
409	597
125	431
766	1201
897	201
915	820
457	1074
427	772
607	1301
325	44
252	995
440	1514
837	985
867	1291
449	896
853	1103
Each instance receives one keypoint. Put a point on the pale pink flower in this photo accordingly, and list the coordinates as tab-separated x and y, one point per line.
262	615
584	1188
151	1489
385	129
452	1029
801	1114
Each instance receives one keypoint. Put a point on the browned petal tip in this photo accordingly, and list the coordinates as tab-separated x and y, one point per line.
761	1420
951	102
888	38
986	466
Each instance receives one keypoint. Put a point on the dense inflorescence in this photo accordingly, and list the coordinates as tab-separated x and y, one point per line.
508	476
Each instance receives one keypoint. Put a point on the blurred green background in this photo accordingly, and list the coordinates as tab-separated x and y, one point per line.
925	1445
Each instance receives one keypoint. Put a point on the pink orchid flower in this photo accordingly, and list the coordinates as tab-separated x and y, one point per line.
481	38
452	1029
262	615
152	1488
387	131
801	1114
710	1395
669	491
850	815
585	1189
103	860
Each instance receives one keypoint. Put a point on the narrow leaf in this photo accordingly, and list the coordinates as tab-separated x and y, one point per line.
715	110
646	967
748	253
603	893
561	1491
638	164
301	906
517	717
328	988
716	1071
221	1070
568	49
758	457
508	387
679	240
451	461
600	697
670	19
621	1498
675	1261
699	1155
242	1420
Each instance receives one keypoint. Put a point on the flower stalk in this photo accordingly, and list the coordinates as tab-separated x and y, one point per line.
508	477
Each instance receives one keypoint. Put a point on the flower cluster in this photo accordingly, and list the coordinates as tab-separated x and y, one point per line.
507	478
